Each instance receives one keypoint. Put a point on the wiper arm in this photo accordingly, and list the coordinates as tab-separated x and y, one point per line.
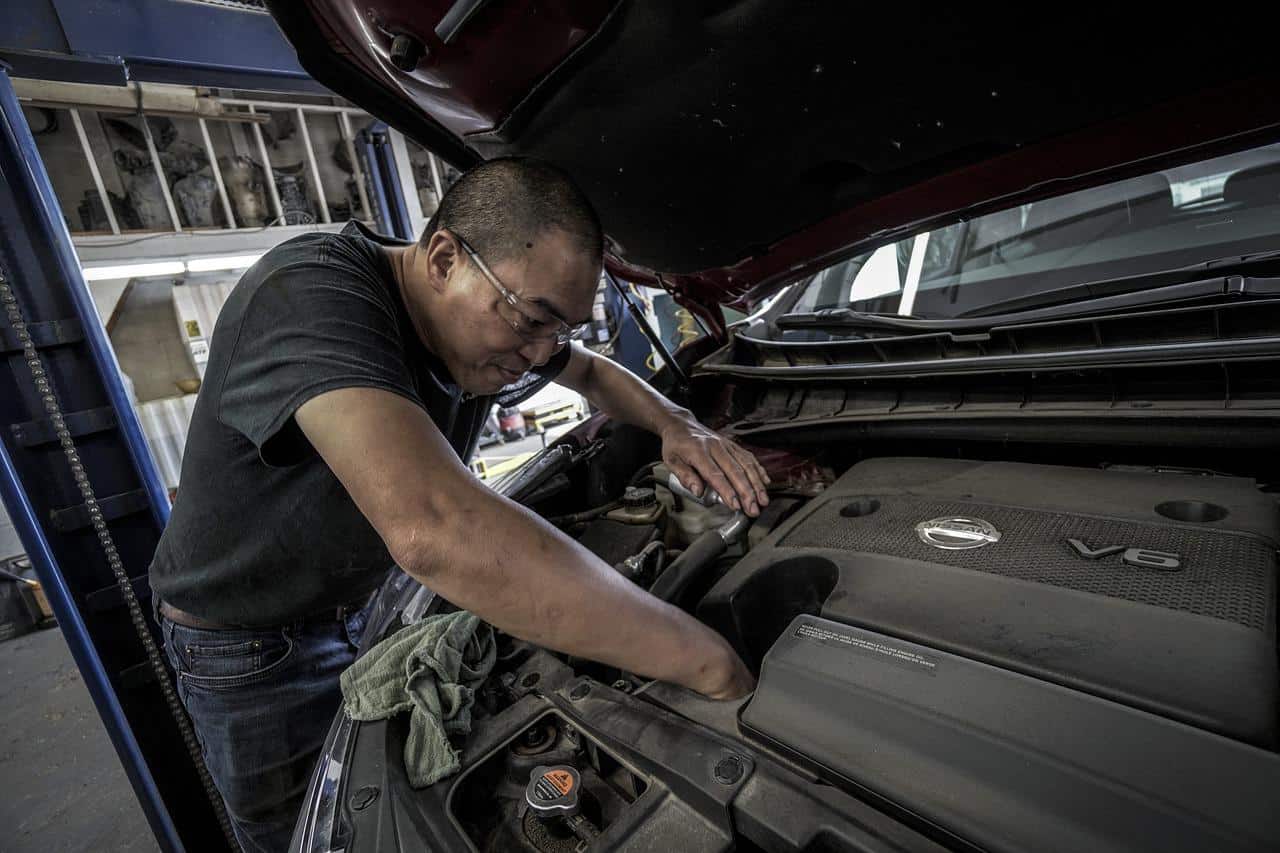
1220	286
1136	285
847	318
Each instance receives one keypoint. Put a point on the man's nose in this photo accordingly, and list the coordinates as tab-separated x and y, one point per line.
539	352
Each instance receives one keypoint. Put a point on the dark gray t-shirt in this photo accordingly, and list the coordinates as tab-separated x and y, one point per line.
262	532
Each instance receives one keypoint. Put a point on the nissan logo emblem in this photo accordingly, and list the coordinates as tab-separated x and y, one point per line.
957	533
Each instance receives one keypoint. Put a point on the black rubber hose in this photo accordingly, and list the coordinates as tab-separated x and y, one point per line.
585	515
645	474
688	567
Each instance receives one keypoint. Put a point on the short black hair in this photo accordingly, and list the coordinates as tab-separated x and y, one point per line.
499	206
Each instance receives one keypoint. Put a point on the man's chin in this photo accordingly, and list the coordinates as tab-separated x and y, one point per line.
485	382
482	389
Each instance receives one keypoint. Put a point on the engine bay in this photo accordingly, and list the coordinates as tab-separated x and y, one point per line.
951	654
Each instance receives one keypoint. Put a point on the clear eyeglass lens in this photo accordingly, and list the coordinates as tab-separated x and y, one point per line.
529	328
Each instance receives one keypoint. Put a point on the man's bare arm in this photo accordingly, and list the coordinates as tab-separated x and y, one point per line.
493	557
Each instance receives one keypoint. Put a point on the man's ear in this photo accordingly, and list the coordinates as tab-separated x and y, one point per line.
442	259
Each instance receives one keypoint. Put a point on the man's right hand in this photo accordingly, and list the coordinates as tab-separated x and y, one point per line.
725	676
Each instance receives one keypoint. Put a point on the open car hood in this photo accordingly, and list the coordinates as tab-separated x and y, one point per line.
732	147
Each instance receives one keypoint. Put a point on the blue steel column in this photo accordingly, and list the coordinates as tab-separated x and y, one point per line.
45	286
392	213
377	184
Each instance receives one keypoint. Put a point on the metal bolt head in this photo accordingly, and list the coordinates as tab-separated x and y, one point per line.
406	52
729	770
537	738
364	797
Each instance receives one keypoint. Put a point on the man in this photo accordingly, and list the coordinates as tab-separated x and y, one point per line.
348	378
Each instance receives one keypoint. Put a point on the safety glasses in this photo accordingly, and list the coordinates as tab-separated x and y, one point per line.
529	320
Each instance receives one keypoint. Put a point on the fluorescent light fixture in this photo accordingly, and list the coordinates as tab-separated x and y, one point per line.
222	262
209	264
134	270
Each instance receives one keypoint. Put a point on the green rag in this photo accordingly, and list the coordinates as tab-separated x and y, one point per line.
431	669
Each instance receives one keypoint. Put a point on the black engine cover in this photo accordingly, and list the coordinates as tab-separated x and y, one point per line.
987	759
1165	601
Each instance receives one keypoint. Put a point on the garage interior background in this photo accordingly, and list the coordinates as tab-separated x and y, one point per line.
164	190
174	160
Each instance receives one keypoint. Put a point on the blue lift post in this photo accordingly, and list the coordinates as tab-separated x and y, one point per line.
384	183
78	481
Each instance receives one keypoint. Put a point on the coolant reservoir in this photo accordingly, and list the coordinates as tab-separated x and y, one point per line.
689	518
639	506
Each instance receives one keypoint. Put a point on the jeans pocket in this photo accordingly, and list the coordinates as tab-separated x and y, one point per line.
221	660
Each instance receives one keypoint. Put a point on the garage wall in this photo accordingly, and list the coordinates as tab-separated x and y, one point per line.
165	423
10	545
147	344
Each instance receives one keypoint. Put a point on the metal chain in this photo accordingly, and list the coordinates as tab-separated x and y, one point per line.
105	539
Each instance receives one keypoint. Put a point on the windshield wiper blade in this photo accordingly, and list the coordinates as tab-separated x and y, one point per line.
845	319
1115	294
1205	288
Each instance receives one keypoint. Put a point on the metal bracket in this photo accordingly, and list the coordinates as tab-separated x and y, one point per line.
116	506
48	334
110	597
43	431
138	675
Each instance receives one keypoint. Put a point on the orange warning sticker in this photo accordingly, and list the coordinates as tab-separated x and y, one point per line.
561	779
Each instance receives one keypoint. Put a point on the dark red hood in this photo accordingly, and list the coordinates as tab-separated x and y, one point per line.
732	147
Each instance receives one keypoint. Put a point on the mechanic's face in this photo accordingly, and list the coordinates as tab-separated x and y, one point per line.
485	341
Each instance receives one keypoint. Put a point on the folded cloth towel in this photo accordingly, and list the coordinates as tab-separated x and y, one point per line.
431	669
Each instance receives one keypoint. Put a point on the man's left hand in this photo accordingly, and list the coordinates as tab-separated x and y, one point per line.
700	457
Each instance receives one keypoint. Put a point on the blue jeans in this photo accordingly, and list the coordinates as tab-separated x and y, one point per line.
262	701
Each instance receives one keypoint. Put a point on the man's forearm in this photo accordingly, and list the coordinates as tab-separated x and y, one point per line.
693	453
624	397
494	557
535	583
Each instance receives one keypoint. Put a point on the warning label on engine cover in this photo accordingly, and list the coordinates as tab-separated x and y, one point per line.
881	649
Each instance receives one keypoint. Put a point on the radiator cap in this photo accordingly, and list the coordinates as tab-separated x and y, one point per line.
553	791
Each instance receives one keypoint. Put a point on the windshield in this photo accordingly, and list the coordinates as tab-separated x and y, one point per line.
1226	206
